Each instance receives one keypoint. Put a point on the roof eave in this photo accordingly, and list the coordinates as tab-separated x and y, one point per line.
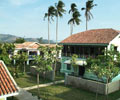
86	44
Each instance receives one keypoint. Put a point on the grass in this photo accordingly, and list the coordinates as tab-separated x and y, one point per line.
62	92
12	98
28	80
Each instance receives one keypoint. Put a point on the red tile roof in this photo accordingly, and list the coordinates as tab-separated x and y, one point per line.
7	85
27	45
102	36
32	45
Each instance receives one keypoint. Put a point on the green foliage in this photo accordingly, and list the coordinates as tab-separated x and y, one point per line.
89	6
40	40
105	65
75	15
19	40
5	50
43	62
50	13
74	59
59	9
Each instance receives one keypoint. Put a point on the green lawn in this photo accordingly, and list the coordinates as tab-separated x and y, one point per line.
62	92
30	80
12	98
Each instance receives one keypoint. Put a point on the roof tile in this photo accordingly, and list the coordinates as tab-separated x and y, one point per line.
103	36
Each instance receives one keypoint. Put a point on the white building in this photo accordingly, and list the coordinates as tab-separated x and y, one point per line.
31	48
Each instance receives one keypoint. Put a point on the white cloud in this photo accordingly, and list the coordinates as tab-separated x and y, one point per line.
21	2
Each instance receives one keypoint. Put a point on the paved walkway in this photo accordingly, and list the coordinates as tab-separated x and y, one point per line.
42	85
25	95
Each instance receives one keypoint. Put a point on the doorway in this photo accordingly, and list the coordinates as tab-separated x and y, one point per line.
81	70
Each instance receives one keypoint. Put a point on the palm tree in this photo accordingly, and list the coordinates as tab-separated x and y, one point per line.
59	13
49	14
73	8
75	16
88	14
74	20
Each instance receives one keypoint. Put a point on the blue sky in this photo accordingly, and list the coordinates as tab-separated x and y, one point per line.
25	17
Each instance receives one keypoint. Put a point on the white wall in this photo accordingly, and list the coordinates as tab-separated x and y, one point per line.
3	99
116	42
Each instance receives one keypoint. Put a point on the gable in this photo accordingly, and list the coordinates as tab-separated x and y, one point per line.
7	83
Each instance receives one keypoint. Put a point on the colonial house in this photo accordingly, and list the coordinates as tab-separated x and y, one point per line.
31	48
8	86
86	44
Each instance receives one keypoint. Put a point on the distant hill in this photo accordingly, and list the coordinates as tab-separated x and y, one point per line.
12	38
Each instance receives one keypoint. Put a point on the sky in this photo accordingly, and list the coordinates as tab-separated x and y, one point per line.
24	18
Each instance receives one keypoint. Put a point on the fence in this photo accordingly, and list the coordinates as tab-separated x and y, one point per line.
93	86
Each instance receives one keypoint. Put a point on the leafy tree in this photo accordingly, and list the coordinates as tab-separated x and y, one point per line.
40	40
105	66
59	11
88	8
16	63
22	59
43	63
75	16
19	40
55	57
74	59
49	15
5	50
73	62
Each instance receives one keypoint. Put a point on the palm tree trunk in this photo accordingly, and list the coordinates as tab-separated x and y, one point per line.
56	29
24	67
86	23
107	90
71	28
48	31
38	84
97	91
54	73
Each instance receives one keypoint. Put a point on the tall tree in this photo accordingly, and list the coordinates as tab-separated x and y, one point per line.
75	16
43	63
40	40
59	13
19	40
88	8
50	14
105	67
23	58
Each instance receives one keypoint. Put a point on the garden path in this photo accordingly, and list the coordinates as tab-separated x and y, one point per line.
43	85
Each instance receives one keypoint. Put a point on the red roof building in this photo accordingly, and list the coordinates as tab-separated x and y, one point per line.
96	36
8	86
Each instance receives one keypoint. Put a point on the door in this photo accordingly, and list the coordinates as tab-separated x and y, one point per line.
81	70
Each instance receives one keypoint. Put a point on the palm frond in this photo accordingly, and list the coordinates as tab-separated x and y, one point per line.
83	8
46	15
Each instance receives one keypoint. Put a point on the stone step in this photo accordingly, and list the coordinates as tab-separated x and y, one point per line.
25	95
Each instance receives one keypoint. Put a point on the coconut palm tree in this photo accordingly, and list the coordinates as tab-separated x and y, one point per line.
88	14
73	8
59	13
74	20
50	14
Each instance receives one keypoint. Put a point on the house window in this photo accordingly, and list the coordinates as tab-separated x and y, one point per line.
115	48
68	67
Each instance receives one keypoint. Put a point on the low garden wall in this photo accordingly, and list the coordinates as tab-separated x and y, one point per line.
92	85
